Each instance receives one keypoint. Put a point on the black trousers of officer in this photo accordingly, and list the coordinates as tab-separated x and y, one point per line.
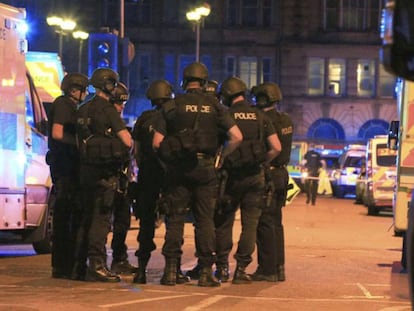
120	226
311	187
97	203
246	188
199	186
270	231
150	181
65	201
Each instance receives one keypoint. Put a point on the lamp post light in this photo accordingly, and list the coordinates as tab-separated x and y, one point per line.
81	35
197	16
62	26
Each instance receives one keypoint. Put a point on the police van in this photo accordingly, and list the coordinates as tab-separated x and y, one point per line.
24	177
344	178
380	176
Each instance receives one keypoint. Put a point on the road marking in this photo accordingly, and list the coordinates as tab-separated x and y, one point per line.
205	303
366	292
136	301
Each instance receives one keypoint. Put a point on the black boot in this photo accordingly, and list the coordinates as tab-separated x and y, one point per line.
222	272
98	272
240	276
170	272
281	273
78	271
207	279
181	278
141	274
123	267
194	274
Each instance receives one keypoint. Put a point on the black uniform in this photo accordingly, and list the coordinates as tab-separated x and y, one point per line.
312	165
101	159
150	179
270	233
245	185
194	178
63	159
121	223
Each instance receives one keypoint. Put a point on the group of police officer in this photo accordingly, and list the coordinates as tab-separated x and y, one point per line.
208	151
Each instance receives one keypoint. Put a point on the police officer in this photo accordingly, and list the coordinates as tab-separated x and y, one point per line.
246	184
211	89
103	142
312	164
150	175
270	232
121	207
63	159
194	123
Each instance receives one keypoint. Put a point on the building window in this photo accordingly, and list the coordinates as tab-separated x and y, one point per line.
230	70
366	78
266	70
248	71
316	76
336	77
352	15
249	13
386	83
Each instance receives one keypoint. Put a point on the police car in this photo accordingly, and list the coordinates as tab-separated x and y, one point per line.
345	176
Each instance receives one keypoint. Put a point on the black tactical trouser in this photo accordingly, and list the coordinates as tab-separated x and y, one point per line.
200	187
150	181
97	204
120	226
246	190
270	231
311	188
65	203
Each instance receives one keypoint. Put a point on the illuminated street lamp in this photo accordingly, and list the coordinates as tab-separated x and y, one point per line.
62	26
81	35
197	16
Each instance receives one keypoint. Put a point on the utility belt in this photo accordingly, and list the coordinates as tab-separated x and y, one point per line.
273	167
249	153
101	150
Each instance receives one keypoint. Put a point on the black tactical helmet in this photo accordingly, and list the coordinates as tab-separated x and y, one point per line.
74	80
121	93
267	94
195	72
232	87
211	87
160	89
105	79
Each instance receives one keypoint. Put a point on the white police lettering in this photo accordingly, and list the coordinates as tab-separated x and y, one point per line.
287	130
245	115
194	108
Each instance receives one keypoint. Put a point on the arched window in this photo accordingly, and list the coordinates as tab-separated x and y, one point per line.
326	128
373	127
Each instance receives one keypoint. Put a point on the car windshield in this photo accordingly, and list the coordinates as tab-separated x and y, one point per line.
353	162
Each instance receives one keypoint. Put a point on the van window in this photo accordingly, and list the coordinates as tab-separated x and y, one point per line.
386	156
353	161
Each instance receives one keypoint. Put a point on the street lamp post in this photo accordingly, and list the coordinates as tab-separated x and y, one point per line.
197	16
62	26
81	35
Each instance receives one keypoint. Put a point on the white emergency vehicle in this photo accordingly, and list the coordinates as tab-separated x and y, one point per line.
380	176
405	159
24	175
349	166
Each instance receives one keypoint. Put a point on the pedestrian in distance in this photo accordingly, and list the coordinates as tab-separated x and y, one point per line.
270	231
186	139
246	181
312	164
63	159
